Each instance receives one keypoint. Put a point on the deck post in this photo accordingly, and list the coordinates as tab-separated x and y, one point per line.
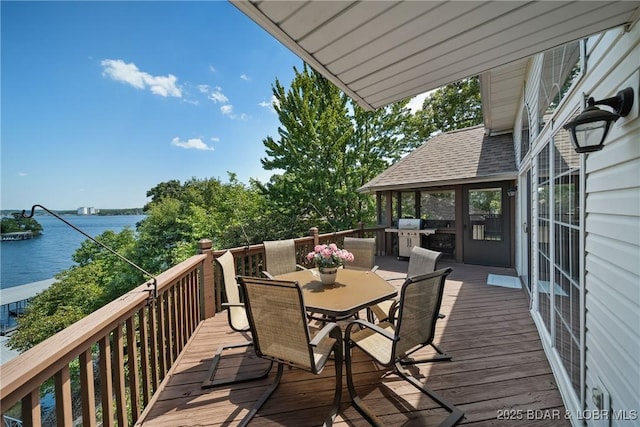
207	284
316	238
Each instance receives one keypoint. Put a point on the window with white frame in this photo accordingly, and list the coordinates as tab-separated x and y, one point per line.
558	250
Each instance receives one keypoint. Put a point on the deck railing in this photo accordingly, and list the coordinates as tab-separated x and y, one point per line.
105	368
126	347
249	260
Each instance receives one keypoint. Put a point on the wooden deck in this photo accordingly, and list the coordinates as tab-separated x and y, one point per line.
498	364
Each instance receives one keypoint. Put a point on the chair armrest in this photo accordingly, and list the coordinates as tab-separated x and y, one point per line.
375	267
267	275
322	334
369	325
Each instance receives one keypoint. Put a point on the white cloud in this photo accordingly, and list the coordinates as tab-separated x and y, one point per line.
217	96
227	110
416	102
244	77
212	68
270	104
129	73
203	88
22	174
193	143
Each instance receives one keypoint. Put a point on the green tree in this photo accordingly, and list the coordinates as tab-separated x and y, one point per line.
170	189
99	277
328	147
19	223
454	106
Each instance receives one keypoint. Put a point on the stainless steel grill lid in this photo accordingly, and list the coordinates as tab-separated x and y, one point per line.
410	223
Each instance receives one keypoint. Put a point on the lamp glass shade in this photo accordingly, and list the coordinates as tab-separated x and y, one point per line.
587	137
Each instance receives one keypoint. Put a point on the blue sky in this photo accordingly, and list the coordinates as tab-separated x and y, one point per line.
101	101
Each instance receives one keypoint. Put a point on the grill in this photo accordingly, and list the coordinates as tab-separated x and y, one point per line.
409	224
409	234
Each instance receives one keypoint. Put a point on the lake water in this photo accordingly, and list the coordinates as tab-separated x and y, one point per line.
40	258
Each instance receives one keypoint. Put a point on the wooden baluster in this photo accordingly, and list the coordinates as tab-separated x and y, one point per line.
132	362
63	397
87	392
106	385
118	367
153	333
143	321
31	409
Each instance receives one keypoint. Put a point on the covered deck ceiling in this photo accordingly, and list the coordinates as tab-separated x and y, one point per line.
380	52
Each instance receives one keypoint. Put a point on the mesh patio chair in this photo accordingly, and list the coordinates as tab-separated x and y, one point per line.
281	334
421	261
364	253
238	321
280	257
390	344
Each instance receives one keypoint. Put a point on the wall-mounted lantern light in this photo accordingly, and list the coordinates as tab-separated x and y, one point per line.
511	192
589	130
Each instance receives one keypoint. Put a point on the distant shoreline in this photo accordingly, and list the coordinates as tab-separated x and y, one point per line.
74	212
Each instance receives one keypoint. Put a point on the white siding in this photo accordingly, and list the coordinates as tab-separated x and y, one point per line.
611	277
612	225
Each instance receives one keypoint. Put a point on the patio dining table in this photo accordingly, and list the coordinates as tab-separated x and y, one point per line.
352	291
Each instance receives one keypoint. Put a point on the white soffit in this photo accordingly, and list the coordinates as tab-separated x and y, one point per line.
379	52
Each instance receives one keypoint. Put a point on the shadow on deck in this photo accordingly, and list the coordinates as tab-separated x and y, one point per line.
498	364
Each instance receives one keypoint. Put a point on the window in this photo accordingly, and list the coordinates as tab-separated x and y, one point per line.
560	68
543	252
566	260
558	250
438	208
524	134
408	204
485	214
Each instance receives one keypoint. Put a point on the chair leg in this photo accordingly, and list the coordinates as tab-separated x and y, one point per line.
440	357
455	415
210	381
338	359
276	382
355	399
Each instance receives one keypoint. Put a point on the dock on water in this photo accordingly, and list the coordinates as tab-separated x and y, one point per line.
16	235
13	302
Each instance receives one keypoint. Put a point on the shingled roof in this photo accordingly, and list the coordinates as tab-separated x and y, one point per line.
456	157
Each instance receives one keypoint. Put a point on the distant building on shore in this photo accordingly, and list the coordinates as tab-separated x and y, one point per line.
88	210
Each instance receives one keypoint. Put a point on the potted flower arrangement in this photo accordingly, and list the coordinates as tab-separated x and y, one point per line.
328	258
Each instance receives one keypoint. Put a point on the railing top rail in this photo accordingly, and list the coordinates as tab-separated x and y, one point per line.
31	368
259	247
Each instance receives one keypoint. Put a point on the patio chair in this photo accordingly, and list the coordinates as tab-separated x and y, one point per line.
280	258
364	253
278	323
237	317
389	344
421	261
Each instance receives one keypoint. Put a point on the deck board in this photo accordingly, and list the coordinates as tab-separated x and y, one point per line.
498	363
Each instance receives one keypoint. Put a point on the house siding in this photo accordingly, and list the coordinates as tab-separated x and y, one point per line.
611	228
612	240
